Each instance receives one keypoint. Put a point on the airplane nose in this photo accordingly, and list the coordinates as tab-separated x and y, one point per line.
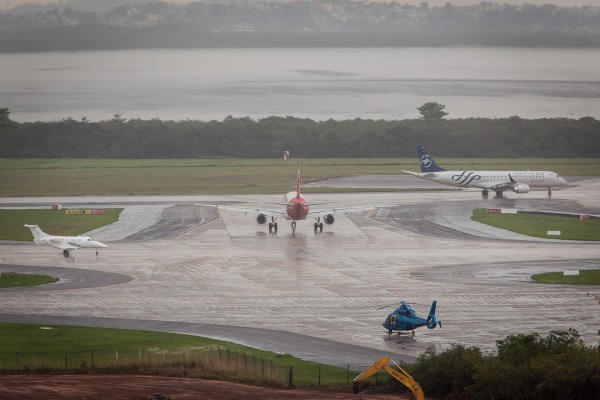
98	244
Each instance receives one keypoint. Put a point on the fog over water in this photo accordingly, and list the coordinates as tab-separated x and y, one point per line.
339	83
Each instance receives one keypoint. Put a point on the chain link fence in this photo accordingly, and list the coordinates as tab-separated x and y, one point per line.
207	362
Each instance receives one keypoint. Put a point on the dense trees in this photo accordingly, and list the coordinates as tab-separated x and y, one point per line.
4	116
432	111
524	366
269	137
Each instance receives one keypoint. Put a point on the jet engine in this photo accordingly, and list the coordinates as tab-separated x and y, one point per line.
521	188
261	218
329	219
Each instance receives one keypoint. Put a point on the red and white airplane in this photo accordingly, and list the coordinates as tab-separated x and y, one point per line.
295	208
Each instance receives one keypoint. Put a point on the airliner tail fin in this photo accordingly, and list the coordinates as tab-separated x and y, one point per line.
298	183
427	162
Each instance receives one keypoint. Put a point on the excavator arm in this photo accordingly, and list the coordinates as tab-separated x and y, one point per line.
394	370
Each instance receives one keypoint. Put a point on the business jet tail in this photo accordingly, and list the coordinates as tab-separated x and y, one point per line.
37	232
427	162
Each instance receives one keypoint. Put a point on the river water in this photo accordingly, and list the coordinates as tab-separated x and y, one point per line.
337	83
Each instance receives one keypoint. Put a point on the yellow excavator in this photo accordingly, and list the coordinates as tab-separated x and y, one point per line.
394	370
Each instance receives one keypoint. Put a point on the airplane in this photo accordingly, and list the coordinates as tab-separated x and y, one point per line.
404	318
65	243
498	181
296	207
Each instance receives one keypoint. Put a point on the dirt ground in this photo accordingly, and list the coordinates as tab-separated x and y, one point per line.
94	387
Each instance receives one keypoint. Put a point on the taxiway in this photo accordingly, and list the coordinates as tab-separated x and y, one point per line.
320	296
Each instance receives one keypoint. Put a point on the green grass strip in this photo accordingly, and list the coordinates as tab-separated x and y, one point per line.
8	280
44	177
52	222
585	277
538	225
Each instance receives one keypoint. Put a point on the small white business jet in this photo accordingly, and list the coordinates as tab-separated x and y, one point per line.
296	207
65	243
498	181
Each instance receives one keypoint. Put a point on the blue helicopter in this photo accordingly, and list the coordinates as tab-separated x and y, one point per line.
405	319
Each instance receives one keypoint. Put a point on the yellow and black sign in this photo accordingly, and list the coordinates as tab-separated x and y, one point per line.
87	211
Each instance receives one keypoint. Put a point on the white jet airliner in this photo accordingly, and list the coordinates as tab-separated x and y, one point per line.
295	208
498	181
65	243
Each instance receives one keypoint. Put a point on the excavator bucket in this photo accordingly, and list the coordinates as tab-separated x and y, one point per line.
359	385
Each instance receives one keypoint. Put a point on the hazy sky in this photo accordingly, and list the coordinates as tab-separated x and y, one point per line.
562	3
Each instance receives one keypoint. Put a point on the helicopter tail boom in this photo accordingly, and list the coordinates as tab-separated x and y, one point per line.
432	321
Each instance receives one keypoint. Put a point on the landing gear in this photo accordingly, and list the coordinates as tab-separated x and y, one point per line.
273	227
66	253
499	193
293	226
549	192
318	225
484	193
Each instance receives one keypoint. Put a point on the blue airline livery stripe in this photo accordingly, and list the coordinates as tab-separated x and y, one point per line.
465	178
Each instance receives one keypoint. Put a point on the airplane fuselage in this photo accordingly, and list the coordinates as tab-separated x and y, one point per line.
296	206
492	179
70	241
65	243
499	181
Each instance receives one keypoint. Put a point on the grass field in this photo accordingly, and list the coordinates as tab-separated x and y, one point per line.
8	280
52	222
64	348
44	177
585	277
538	225
31	338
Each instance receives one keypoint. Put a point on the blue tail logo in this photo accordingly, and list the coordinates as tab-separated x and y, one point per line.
427	162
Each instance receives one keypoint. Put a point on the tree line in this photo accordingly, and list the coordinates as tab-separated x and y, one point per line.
524	366
269	137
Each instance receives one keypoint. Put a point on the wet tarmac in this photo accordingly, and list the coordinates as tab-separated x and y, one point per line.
323	296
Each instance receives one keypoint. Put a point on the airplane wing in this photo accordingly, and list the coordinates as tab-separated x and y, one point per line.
422	175
347	210
502	185
411	173
285	204
269	213
494	185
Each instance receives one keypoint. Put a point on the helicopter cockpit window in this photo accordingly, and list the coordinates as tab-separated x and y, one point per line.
393	319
